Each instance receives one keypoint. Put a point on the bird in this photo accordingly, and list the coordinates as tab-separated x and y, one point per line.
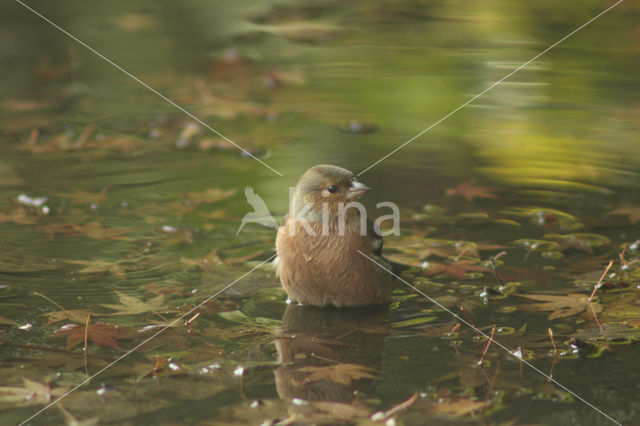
321	262
261	213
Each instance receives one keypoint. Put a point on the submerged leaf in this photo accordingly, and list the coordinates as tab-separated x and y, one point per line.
561	305
469	191
339	373
101	334
75	315
130	305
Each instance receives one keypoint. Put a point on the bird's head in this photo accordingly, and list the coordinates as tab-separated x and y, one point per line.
327	184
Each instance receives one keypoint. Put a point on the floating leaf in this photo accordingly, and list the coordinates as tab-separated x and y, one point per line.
343	374
96	266
75	315
561	305
632	212
469	191
31	393
130	305
101	334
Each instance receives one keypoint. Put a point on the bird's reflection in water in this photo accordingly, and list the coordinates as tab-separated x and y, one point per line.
330	355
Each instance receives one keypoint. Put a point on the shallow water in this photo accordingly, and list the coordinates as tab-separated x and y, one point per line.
142	204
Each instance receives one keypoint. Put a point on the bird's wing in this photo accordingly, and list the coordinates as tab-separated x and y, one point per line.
256	202
376	240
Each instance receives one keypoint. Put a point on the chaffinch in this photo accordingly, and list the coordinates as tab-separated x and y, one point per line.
318	259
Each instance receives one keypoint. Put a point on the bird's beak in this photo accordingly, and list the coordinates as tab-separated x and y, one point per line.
357	190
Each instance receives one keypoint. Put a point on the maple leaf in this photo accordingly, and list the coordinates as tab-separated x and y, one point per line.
457	269
340	373
633	213
415	249
75	315
469	191
31	393
72	421
96	230
130	305
101	334
96	266
561	305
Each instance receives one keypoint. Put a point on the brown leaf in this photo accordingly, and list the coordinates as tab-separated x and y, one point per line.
469	191
562	306
75	315
101	334
96	230
96	266
130	305
31	393
339	373
632	212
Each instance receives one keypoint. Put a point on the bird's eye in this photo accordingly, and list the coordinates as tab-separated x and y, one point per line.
332	188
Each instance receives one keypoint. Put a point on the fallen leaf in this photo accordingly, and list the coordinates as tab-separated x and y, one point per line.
96	230
339	373
562	306
632	212
96	266
31	393
70	420
101	334
469	191
130	305
75	315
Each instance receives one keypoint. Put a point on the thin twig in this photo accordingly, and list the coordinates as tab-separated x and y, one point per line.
487	344
402	406
553	342
83	137
492	260
597	286
86	343
50	300
454	329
